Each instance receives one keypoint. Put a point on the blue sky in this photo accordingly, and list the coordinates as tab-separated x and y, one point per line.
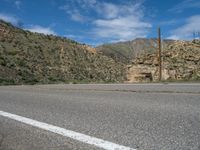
104	21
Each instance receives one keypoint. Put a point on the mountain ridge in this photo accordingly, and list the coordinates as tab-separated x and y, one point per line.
34	58
126	51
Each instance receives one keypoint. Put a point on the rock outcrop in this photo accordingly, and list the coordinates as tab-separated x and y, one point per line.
180	61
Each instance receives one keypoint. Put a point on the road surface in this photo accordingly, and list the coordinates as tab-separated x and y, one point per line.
129	116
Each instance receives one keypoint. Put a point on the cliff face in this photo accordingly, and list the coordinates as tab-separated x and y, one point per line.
181	61
29	58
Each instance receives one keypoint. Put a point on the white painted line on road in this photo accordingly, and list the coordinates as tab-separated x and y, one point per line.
67	133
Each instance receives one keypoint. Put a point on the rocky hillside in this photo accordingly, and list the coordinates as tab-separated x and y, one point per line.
29	58
181	61
125	52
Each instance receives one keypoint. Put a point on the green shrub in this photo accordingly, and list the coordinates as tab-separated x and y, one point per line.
4	81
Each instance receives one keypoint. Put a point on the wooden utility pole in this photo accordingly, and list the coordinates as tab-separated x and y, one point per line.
159	55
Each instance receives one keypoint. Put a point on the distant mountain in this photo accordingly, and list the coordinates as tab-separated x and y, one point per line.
30	58
125	52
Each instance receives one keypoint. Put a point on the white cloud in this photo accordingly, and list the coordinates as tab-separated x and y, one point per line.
77	17
185	4
86	3
186	31
73	13
108	10
9	18
114	22
40	29
75	37
121	22
173	37
18	4
169	22
121	28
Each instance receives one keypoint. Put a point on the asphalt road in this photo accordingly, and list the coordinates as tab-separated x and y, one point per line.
139	116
